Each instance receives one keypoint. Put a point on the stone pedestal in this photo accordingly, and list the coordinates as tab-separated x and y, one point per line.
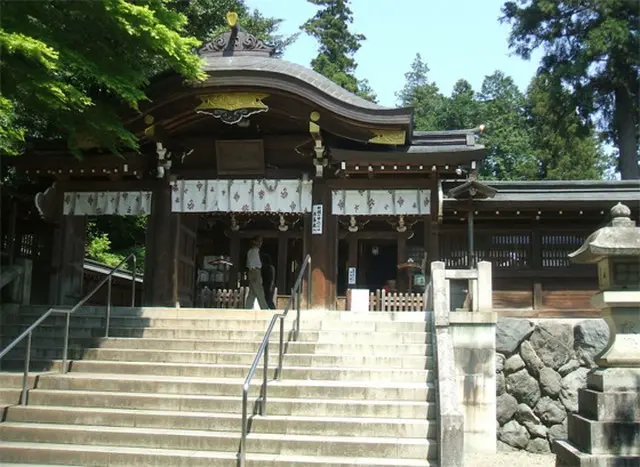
606	429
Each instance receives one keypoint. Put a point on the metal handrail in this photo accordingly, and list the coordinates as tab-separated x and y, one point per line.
263	351
29	331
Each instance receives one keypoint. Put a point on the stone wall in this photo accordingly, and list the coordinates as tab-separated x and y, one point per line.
540	365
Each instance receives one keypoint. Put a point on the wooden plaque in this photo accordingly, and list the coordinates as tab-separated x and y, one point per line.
240	157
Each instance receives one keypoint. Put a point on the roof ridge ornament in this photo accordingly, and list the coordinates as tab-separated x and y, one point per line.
236	41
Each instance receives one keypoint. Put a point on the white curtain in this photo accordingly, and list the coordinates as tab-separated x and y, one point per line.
118	203
381	202
285	196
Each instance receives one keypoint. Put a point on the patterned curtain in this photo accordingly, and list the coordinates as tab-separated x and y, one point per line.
117	203
286	196
381	202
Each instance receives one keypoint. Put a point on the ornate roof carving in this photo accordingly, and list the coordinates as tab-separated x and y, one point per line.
234	42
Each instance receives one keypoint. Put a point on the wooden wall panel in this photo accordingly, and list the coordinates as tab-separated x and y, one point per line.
512	293
566	294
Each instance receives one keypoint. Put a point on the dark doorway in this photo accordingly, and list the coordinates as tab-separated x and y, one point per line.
380	260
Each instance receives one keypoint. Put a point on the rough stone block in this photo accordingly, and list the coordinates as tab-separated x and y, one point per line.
510	332
523	387
553	343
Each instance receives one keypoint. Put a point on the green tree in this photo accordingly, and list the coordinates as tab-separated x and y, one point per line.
337	45
423	95
462	109
69	67
508	139
593	47
564	145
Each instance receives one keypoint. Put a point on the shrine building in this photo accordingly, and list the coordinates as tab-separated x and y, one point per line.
265	147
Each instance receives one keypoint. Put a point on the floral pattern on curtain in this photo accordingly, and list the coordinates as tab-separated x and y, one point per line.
280	196
381	202
116	203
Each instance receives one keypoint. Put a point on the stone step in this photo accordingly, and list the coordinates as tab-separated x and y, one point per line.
252	346
609	406
184	332
232	404
63	454
9	396
330	426
204	440
569	455
241	358
225	313
244	323
597	437
384	390
240	371
45	347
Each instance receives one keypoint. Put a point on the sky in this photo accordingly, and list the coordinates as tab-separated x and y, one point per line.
456	38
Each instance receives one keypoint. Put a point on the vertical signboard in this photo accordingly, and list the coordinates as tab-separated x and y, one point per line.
316	219
352	276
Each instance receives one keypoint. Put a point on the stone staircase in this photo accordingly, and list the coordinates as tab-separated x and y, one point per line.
165	389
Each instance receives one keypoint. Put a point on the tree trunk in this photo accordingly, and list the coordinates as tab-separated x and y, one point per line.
625	123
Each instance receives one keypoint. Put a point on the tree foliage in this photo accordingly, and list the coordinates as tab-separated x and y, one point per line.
423	95
528	136
110	239
591	47
68	67
337	45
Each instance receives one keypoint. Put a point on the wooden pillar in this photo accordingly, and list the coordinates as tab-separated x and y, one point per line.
352	260
536	263
282	266
66	287
160	266
402	279
434	224
324	251
234	254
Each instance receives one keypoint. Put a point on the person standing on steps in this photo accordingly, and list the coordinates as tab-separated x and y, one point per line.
268	279
254	265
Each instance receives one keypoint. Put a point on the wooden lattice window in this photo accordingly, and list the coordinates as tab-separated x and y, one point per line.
454	249
557	246
505	250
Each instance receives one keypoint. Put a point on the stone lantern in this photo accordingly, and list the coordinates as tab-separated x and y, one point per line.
606	429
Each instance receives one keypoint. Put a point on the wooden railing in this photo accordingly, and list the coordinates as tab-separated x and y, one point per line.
221	298
380	300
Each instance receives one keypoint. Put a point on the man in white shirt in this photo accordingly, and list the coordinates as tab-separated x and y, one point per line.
254	265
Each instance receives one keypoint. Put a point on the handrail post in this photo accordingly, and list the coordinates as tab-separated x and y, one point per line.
265	372
281	351
298	300
65	350
133	282
108	319
245	427
25	377
308	283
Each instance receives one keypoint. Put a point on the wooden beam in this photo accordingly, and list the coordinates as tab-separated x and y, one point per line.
264	233
372	184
